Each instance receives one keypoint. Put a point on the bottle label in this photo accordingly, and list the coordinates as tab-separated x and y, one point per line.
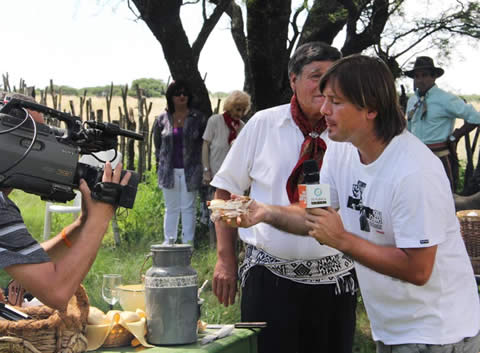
171	282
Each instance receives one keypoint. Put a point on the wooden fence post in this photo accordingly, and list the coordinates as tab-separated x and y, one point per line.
60	94
146	135
217	109
31	91
100	115
82	103
131	125
129	121
88	108
72	107
43	96
121	123
108	97
53	94
21	86
6	83
141	144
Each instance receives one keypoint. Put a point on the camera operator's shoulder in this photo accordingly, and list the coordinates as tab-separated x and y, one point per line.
3	201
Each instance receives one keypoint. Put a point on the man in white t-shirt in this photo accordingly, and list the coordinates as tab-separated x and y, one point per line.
397	217
303	290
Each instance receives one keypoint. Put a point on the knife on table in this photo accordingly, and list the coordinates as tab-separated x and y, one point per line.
225	331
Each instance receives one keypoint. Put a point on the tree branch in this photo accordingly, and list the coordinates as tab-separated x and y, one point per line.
208	25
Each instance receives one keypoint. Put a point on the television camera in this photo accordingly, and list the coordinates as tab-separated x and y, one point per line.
44	160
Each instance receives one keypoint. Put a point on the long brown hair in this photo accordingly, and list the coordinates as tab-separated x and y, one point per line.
367	82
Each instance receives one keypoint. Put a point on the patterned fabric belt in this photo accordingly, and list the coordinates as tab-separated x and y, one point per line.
334	269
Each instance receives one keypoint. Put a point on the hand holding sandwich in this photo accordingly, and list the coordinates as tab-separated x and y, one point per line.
239	211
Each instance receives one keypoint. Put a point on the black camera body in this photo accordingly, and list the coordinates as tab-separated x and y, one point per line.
44	160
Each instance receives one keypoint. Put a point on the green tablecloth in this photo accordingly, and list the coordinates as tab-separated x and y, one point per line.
241	341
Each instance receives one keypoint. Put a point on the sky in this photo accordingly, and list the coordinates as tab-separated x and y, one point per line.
82	43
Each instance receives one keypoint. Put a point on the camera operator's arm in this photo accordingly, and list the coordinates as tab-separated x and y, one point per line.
55	282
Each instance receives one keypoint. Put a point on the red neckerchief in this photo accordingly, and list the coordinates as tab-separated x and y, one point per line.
232	125
313	147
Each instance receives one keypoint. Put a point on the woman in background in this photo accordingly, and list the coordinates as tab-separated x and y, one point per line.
221	131
178	144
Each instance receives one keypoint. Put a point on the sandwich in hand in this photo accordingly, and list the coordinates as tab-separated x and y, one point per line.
229	210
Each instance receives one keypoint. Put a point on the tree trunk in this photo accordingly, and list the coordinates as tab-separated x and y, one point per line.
163	19
267	25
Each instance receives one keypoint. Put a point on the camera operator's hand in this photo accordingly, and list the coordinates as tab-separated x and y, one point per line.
90	205
72	251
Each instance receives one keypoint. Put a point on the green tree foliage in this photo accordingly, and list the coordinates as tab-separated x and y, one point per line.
151	87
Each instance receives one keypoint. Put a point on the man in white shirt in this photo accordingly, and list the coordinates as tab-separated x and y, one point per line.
303	290
415	276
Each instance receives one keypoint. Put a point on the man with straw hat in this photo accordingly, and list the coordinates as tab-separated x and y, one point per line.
431	114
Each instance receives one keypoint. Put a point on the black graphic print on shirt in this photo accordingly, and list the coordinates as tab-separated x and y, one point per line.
368	217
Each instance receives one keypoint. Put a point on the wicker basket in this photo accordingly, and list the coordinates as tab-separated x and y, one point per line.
51	331
470	228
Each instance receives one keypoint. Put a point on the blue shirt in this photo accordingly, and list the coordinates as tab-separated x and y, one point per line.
435	123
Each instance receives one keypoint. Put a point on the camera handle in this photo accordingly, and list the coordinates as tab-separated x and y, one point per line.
114	194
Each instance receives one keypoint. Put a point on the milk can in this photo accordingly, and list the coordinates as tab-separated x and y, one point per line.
171	296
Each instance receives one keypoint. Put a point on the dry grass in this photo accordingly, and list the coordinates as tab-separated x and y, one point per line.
158	106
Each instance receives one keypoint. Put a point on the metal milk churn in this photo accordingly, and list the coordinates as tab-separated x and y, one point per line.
171	296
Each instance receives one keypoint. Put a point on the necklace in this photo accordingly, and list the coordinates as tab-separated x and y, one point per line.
180	120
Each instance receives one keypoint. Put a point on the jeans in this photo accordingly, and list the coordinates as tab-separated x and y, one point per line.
179	201
467	345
